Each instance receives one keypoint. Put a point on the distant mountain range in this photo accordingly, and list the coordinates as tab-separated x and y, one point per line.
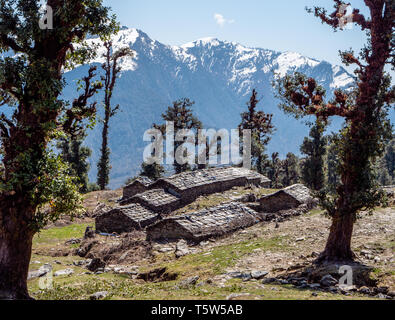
218	75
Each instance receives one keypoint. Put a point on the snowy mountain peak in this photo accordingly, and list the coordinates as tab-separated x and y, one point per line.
208	41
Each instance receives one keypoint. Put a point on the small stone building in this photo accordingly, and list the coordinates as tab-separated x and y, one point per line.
190	185
207	223
157	200
139	185
288	198
125	219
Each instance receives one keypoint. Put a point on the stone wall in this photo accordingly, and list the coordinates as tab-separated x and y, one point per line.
287	198
207	223
125	219
133	189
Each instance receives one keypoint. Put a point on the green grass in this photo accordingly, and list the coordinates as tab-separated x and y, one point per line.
122	288
60	234
222	257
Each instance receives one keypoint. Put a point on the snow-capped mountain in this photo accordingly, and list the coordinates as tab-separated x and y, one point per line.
218	75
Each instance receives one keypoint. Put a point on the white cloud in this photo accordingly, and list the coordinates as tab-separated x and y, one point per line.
221	21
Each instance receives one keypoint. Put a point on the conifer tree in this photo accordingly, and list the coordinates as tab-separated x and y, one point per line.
181	114
76	156
313	172
153	171
111	69
290	169
260	124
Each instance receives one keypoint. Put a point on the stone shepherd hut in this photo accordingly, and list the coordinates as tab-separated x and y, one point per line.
288	198
188	186
207	223
139	185
125	219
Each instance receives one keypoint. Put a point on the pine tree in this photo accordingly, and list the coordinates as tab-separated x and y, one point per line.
112	69
290	169
313	174
365	110
181	114
389	159
76	155
261	128
153	171
274	171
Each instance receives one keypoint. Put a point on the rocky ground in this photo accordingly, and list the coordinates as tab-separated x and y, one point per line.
270	260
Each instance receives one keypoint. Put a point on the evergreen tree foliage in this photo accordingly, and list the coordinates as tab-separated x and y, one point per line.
111	69
261	128
312	167
181	114
76	156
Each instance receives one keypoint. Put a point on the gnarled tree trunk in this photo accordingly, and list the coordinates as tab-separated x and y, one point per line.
338	246
15	252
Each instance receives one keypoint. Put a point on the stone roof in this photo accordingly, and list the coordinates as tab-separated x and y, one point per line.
297	191
142	180
125	219
156	197
192	179
206	223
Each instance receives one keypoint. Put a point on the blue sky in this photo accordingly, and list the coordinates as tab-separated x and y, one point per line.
281	25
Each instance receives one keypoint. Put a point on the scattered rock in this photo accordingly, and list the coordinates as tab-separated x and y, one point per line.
269	280
381	296
99	295
157	275
328	281
258	275
188	282
314	294
245	276
314	286
300	239
95	264
73	241
81	263
181	249
89	233
235	296
64	272
46	268
364	290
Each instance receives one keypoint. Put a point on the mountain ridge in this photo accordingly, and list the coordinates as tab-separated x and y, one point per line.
218	75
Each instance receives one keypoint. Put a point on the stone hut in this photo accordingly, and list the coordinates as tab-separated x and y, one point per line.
125	219
157	200
139	185
288	198
190	185
207	223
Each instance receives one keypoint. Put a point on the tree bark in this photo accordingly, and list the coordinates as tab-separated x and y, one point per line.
338	246
15	252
